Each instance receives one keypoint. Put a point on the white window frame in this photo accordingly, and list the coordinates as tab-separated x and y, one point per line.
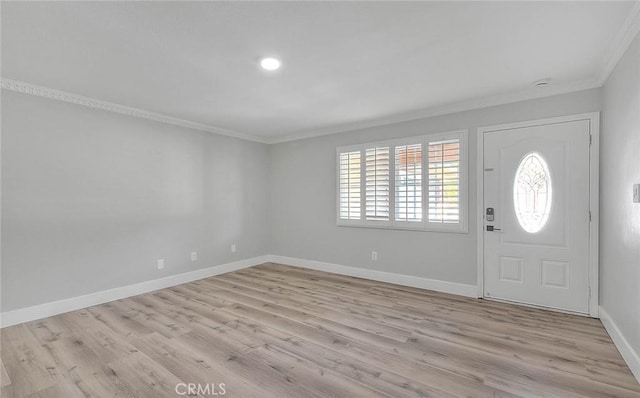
461	227
408	225
363	178
350	222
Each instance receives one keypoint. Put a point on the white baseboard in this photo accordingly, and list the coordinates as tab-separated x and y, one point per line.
75	303
32	313
630	356
381	276
9	318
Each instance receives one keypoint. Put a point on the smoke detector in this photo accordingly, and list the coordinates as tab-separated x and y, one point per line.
542	82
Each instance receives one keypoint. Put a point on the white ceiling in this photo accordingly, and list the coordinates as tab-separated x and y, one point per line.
344	63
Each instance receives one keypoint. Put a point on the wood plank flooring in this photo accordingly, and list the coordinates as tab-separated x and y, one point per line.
278	331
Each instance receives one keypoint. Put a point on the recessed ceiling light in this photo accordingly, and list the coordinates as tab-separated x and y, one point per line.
541	83
270	63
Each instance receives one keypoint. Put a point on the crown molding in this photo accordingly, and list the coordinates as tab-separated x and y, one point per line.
477	103
619	45
58	95
621	42
617	48
454	107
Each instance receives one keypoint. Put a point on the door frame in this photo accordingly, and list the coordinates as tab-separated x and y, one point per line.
594	196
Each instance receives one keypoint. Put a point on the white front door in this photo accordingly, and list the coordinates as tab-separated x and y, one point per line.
536	221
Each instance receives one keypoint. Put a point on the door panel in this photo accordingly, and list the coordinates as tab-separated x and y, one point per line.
537	181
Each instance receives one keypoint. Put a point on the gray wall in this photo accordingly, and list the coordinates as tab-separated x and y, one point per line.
619	217
91	199
302	196
98	197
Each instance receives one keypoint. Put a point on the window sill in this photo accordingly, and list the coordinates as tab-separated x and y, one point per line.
453	230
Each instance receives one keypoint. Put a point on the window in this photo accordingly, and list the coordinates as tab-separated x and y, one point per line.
377	183
408	183
532	192
444	181
350	185
414	183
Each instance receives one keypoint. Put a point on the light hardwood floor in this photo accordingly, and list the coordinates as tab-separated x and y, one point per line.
278	331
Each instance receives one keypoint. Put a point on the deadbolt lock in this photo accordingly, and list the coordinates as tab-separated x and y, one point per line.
490	214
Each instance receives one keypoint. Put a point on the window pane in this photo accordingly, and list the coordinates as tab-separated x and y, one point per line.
444	181
408	181
377	183
532	192
350	185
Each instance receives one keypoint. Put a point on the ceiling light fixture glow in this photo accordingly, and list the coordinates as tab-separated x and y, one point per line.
270	63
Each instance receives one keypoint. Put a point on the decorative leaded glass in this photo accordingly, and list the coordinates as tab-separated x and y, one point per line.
532	192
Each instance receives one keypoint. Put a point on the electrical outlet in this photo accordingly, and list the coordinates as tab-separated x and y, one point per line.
161	263
636	193
374	256
233	248
194	256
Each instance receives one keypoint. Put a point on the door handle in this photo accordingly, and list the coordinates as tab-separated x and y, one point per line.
491	228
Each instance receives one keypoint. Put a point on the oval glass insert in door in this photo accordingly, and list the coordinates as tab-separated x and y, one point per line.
532	192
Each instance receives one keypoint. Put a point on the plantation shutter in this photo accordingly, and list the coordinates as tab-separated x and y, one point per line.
408	183
444	181
350	185
377	183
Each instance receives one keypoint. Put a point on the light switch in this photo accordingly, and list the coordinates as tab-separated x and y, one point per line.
636	193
